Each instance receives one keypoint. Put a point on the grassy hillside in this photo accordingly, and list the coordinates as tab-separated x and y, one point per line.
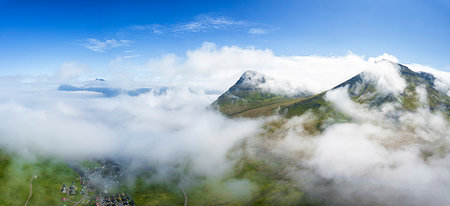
253	104
246	94
260	181
48	176
259	178
236	102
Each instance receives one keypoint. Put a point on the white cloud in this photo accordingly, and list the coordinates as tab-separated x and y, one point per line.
442	81
404	159
343	103
403	156
102	46
258	31
129	54
71	70
153	28
385	76
205	23
156	129
385	56
219	67
201	23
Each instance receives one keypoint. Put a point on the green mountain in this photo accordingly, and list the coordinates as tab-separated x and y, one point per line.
363	91
248	101
264	174
248	93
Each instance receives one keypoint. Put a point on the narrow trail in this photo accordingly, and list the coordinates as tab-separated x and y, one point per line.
185	197
31	189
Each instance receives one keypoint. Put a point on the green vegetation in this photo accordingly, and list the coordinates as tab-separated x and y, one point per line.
235	102
254	103
436	100
146	193
252	182
48	176
257	179
261	181
244	97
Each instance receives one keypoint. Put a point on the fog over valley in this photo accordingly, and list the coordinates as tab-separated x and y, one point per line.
309	103
180	139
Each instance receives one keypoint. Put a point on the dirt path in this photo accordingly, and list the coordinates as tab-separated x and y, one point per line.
185	197
31	189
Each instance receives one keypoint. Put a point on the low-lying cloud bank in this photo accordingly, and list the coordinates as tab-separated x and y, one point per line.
161	129
217	68
382	156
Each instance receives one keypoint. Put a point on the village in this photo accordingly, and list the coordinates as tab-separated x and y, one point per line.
83	191
88	194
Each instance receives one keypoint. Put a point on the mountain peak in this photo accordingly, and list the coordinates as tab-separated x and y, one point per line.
250	80
254	89
250	73
385	60
250	96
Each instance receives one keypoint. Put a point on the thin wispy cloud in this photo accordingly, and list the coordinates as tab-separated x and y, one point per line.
102	46
206	23
258	31
130	54
201	23
152	28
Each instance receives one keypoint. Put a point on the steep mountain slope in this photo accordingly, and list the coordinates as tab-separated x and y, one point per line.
360	90
248	93
363	91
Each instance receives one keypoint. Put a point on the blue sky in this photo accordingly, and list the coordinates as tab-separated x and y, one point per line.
37	37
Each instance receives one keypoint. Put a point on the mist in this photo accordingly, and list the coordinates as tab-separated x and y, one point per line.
380	156
155	128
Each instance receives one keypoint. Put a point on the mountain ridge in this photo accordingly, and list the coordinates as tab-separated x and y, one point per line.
359	89
248	93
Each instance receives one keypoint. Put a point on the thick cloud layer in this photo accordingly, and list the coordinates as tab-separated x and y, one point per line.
210	67
217	68
381	156
442	82
168	129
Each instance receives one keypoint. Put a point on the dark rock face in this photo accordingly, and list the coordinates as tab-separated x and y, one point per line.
428	77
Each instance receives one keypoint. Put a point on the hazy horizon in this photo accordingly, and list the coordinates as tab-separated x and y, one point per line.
225	102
